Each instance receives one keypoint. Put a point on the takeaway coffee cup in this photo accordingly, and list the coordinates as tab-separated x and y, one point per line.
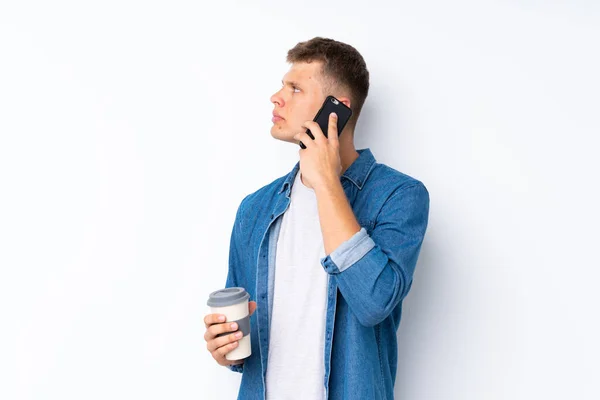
233	303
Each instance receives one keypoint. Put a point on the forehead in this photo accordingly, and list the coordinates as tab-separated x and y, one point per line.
304	73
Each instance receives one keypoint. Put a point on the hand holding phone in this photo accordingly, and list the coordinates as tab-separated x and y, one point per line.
331	104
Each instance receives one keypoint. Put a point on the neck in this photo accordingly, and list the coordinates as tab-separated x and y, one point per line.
348	152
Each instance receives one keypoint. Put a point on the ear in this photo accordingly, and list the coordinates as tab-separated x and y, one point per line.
345	100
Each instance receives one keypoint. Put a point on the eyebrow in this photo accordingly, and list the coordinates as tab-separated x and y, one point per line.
292	83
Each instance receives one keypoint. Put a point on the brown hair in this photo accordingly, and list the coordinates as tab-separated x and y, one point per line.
343	66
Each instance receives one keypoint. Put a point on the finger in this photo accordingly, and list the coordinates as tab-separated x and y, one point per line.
304	138
219	353
251	307
210	319
221	341
215	329
332	131
315	130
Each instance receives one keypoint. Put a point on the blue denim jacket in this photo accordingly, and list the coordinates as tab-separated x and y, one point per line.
368	277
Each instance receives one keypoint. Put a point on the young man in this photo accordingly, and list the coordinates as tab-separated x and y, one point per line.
327	251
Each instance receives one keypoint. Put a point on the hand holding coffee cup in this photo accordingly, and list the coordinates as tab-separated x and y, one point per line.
228	326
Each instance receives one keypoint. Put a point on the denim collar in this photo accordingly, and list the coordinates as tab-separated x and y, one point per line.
357	172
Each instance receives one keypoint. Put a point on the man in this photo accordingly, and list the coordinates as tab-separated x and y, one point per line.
327	251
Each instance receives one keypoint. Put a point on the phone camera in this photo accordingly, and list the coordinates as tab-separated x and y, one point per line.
335	101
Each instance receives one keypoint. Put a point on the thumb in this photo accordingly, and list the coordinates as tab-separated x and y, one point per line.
251	307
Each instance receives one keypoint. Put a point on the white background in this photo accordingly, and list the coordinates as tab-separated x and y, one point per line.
130	132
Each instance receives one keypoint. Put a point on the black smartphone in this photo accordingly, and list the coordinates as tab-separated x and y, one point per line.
331	104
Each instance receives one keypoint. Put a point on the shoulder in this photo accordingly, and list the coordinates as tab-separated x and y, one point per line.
394	195
388	182
263	196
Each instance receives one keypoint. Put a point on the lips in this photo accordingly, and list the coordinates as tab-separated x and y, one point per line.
276	117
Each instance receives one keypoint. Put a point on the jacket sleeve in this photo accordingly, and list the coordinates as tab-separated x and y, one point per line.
374	272
235	259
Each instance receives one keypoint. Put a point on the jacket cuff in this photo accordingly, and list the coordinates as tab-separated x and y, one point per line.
236	368
348	253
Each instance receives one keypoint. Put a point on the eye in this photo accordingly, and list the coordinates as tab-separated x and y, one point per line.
295	88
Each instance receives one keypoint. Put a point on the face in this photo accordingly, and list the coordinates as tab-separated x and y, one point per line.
298	100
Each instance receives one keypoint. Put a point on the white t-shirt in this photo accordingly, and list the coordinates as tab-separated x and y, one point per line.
296	368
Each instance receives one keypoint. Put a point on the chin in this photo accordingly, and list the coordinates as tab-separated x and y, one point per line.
279	133
283	136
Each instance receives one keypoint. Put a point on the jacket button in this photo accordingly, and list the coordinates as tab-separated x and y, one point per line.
271	216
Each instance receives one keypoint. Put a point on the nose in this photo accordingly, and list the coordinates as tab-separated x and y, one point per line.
277	99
